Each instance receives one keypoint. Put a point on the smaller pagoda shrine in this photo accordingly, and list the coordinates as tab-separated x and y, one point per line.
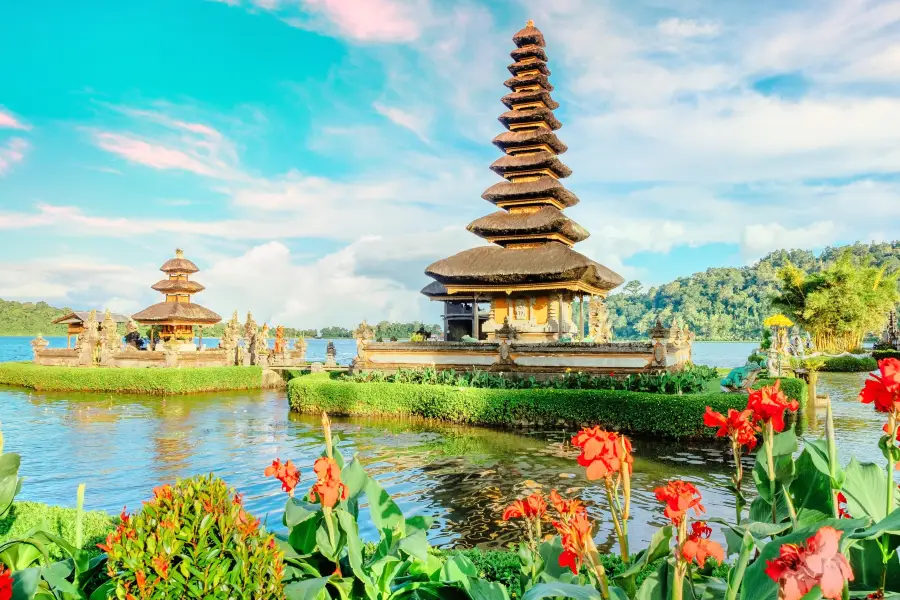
176	316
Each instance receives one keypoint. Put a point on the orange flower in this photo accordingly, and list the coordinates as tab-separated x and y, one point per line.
698	547
798	569
286	473
163	492
567	508
6	584
738	425
768	405
329	487
576	539
532	507
602	453
161	565
883	390
141	580
679	497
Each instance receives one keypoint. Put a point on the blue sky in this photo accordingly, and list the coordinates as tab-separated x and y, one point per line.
313	156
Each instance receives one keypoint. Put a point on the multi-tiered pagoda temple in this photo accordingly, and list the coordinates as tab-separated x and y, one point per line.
530	274
177	315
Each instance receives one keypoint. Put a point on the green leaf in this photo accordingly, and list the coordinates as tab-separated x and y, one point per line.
416	545
385	512
354	477
104	591
660	545
562	590
56	575
487	590
757	530
25	583
890	524
865	489
785	443
811	491
297	511
459	569
354	544
550	551
656	586
308	589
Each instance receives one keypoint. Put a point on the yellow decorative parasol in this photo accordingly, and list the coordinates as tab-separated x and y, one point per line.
778	320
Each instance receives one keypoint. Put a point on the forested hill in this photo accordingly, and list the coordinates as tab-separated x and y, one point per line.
30	318
727	303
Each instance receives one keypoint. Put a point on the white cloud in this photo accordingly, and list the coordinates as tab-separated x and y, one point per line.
10	121
760	239
11	153
688	28
417	123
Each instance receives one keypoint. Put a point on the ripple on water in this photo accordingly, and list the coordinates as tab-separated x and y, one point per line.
123	446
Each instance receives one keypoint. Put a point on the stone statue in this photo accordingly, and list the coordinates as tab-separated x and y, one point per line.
507	331
250	327
38	344
330	355
280	343
300	346
741	379
261	346
111	341
87	343
890	338
364	332
230	340
599	324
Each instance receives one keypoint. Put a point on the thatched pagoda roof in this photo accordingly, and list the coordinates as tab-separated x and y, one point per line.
529	35
514	98
526	51
529	137
530	115
177	286
543	187
532	79
533	65
552	262
509	164
179	312
80	316
548	219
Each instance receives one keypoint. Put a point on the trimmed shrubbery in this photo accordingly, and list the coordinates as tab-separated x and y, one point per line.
692	378
152	381
850	364
25	517
633	412
882	354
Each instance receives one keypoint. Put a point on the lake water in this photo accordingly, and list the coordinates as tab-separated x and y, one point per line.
122	446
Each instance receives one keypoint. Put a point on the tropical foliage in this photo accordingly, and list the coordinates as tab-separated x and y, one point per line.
30	318
730	303
840	304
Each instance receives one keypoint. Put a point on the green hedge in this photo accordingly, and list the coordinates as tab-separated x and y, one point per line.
153	381
882	354
850	364
632	412
24	517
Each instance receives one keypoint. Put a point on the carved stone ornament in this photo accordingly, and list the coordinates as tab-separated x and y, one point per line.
659	354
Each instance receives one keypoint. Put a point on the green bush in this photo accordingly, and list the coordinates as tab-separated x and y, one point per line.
632	412
24	517
882	354
691	379
195	540
795	389
850	364
151	381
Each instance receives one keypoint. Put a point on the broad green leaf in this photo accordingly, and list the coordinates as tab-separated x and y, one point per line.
890	524
385	512
104	591
562	590
302	536
757	530
56	575
866	491
785	443
486	590
550	551
415	545
656	586
459	569
25	583
660	545
297	511
309	589
354	477
354	544
418	523
811	491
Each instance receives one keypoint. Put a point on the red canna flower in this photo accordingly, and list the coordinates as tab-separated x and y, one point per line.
532	507
567	508
843	513
286	473
163	492
738	425
768	405
798	569
602	453
576	539
679	496
883	390
329	487
698	547
6	584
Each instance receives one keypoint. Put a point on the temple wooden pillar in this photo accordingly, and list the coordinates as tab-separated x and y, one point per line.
200	342
581	317
475	333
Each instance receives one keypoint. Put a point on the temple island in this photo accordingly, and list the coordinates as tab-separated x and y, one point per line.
171	328
508	306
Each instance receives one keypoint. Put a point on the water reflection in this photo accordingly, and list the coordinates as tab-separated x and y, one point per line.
122	446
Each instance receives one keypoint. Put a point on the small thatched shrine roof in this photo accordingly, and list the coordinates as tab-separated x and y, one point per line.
80	316
526	80
529	35
548	219
526	51
529	137
509	164
552	262
179	264
542	187
530	115
513	98
177	286
531	65
179	312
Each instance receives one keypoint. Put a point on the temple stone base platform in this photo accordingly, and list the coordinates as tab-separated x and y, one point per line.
526	359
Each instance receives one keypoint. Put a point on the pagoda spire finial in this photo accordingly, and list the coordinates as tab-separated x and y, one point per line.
179	253
529	23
